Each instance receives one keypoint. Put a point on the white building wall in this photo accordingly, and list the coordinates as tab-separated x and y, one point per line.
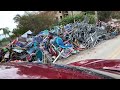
69	13
58	15
74	12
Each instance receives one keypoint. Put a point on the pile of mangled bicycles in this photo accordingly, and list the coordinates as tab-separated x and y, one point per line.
59	42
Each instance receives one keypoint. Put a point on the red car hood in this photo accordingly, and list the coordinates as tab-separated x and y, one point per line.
112	66
88	69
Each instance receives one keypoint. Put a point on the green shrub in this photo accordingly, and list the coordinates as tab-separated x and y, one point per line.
104	15
115	14
79	17
91	19
13	36
66	20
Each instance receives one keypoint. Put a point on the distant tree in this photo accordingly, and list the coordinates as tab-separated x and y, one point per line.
115	14
6	31
17	18
104	15
16	32
34	22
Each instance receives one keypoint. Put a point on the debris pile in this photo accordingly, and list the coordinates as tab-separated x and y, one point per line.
59	42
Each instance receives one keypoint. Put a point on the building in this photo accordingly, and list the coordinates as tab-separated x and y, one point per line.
61	14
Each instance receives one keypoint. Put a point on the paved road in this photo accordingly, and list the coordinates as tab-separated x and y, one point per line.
109	49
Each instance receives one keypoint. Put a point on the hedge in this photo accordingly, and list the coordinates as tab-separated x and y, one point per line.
79	17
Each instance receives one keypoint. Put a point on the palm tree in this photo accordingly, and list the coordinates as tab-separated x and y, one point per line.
17	18
6	31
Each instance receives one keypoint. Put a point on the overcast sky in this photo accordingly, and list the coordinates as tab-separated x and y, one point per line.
6	19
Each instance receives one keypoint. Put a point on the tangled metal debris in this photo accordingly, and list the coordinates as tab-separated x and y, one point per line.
48	46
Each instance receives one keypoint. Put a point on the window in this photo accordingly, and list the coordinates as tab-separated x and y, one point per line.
56	18
66	15
59	11
65	11
60	17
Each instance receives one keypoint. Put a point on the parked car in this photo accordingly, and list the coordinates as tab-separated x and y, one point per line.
86	69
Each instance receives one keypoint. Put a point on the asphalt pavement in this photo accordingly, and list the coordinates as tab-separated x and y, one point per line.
109	49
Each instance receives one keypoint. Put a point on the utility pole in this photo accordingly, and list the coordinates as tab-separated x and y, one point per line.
73	16
72	13
96	16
